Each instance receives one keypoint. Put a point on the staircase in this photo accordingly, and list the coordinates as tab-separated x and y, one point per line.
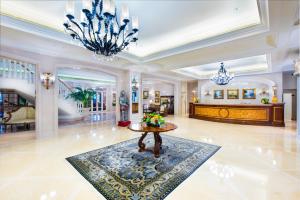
20	77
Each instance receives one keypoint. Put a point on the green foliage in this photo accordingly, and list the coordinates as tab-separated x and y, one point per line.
264	100
84	96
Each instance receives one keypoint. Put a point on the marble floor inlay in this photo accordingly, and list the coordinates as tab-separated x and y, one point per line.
254	163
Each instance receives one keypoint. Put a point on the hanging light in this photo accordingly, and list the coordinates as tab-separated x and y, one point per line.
100	28
222	77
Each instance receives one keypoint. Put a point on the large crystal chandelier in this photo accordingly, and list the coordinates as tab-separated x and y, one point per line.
222	77
100	28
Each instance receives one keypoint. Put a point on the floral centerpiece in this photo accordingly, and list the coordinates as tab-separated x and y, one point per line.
153	119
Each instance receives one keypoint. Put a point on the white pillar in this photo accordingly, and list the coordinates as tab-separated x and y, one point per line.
297	73
97	101
298	105
46	101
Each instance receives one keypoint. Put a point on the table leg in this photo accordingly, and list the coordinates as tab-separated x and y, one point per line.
160	140
157	144
141	144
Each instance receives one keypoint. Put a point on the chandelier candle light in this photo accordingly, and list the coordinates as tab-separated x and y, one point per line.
100	29
222	78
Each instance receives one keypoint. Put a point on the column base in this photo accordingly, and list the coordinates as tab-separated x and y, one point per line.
124	123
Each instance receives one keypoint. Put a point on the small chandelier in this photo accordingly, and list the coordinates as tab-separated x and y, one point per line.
222	78
100	29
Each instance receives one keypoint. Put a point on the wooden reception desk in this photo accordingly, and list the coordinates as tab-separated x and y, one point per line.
264	114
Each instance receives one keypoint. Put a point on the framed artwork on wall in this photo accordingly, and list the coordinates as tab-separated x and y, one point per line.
157	94
218	94
145	94
233	94
249	93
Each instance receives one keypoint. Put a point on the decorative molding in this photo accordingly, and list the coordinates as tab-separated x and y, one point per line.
45	31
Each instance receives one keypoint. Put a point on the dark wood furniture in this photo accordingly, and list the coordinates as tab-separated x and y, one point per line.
142	127
263	114
135	108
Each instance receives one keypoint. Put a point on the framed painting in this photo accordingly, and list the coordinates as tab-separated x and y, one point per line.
249	93
233	94
145	94
218	94
157	94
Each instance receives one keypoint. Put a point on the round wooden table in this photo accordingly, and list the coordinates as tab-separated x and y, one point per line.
142	127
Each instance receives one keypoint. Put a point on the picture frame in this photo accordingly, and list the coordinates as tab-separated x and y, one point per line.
157	94
249	93
145	94
218	94
233	94
157	101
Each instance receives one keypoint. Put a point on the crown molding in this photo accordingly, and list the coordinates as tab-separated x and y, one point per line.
48	32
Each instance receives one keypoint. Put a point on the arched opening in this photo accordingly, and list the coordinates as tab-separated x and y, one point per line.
86	96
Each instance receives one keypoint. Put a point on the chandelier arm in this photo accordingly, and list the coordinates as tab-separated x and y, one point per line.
83	34
79	38
75	23
95	38
89	33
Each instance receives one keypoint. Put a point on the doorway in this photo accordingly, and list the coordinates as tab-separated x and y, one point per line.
290	104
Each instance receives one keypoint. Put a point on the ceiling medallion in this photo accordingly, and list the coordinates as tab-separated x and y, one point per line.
222	77
100	28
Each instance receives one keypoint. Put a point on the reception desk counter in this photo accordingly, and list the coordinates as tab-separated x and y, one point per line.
264	114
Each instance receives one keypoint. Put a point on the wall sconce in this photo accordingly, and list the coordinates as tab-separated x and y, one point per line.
264	92
47	79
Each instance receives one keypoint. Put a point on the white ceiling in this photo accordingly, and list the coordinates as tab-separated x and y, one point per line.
166	28
242	66
163	25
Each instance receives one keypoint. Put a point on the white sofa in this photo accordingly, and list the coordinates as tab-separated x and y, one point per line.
23	115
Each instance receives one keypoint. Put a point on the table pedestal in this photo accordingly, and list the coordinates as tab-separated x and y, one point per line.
157	144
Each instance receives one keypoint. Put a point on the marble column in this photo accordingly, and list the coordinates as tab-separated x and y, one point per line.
46	101
298	105
135	117
297	73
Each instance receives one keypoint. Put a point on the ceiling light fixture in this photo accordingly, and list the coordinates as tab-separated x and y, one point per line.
99	29
222	78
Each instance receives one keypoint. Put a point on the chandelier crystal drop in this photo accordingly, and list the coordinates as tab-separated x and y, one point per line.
222	77
100	28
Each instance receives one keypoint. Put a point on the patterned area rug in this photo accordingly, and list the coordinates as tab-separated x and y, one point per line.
121	172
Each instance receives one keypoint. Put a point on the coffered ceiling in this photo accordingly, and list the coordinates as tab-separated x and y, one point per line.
173	34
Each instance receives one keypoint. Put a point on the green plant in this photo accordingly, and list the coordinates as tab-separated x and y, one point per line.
84	96
264	100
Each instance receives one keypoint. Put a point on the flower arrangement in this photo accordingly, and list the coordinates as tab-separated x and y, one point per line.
153	119
264	100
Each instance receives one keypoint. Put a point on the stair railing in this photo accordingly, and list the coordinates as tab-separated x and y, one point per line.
15	69
65	90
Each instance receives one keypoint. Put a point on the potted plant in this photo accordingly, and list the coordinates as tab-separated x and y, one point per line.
83	96
264	100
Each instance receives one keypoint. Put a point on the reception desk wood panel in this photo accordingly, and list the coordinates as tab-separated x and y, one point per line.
269	114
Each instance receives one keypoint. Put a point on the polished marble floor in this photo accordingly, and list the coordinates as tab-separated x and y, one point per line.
254	163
